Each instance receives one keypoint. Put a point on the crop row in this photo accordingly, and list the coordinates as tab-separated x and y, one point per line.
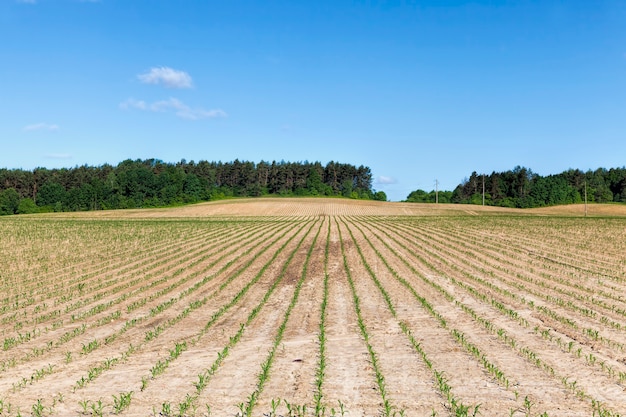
451	316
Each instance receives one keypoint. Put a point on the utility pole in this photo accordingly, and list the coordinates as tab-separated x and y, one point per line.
436	191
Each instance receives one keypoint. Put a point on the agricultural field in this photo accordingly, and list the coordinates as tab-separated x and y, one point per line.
314	307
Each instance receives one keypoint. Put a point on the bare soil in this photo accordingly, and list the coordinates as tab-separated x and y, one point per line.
429	310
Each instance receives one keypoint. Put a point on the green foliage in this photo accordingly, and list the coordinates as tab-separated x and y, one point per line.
380	196
421	196
9	201
121	402
154	183
50	194
523	188
27	206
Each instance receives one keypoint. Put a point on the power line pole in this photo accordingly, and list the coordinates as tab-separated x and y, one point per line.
436	191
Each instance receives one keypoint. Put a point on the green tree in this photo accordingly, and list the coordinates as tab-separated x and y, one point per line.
315	185
192	188
380	196
50	193
347	188
27	206
417	196
9	201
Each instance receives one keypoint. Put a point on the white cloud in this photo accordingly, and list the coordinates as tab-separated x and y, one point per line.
167	77
41	126
131	103
386	180
175	106
27	1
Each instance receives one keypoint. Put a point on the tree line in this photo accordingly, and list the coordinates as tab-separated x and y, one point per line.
154	183
522	188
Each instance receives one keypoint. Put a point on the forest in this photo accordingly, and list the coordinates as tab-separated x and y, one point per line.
522	188
154	183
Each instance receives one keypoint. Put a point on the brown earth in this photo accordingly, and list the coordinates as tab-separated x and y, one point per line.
429	310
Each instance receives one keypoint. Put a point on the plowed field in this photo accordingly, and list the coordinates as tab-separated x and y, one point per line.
314	307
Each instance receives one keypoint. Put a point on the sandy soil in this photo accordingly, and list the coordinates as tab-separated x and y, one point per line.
430	310
268	206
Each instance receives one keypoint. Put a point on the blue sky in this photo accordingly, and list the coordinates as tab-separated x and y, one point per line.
417	90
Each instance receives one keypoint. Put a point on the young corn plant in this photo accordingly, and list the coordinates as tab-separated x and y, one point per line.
84	404
38	408
90	347
97	408
121	402
166	409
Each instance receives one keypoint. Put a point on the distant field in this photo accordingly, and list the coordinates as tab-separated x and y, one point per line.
314	307
330	207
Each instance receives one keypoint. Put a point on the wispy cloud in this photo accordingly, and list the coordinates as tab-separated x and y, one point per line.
27	1
386	180
41	126
175	106
186	112
131	103
168	77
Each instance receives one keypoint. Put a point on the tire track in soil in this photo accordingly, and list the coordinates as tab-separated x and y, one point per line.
293	373
237	377
349	376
